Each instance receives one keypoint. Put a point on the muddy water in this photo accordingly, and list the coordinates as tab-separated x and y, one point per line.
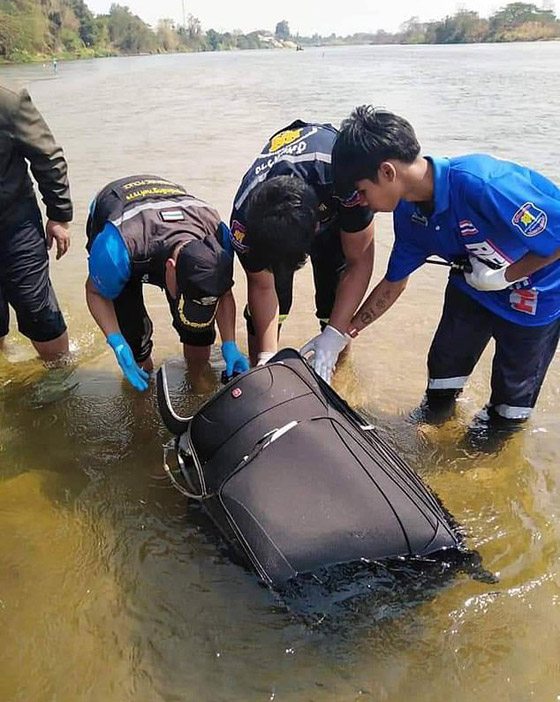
111	588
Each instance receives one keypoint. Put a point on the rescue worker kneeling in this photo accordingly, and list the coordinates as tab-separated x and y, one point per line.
145	229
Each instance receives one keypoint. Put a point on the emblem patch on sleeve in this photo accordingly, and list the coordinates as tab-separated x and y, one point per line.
530	219
237	235
352	200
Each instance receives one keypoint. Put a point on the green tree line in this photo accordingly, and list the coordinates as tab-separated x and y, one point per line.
38	29
31	29
518	21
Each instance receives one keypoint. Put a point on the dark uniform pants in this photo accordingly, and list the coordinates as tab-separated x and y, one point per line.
522	357
24	276
137	327
328	262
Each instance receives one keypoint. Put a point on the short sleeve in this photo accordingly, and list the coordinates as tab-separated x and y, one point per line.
527	207
250	263
352	216
405	258
109	262
407	255
239	244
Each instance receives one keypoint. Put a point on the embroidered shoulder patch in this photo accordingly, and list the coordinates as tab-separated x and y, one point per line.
352	200
530	219
237	235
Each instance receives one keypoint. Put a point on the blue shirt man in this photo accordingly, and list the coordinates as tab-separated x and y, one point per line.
502	218
497	212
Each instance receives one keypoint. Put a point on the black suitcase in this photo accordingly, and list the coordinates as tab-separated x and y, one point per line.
295	478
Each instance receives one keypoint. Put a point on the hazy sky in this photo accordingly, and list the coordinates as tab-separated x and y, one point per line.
304	16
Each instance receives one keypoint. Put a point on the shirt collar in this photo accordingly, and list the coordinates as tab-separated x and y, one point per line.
441	168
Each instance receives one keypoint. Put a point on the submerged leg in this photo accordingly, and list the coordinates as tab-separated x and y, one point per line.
463	332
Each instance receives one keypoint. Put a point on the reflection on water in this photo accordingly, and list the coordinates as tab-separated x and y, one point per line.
111	587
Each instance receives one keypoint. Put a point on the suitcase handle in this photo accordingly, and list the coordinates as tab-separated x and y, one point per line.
176	424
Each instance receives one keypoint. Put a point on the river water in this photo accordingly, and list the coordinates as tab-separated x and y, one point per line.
111	587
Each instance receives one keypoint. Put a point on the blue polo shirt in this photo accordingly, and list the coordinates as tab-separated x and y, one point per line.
497	211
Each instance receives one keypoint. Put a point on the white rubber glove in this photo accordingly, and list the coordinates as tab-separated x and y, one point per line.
487	279
264	357
326	348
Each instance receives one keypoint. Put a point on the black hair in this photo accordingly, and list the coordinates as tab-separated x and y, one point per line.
281	219
367	138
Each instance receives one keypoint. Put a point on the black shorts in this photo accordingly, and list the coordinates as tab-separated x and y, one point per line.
328	262
522	357
24	276
137	328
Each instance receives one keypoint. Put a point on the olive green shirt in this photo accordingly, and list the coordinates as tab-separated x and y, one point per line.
25	138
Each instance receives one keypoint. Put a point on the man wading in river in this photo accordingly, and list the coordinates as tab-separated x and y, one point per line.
145	229
285	209
504	217
24	262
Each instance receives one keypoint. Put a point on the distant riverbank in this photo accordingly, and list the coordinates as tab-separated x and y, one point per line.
26	58
70	30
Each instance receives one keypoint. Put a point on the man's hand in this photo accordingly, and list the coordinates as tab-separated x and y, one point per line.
487	279
135	375
236	362
59	232
326	348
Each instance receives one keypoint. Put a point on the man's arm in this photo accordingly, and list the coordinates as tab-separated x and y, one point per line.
326	347
225	317
381	298
358	251
236	362
102	310
487	279
263	306
528	264
36	143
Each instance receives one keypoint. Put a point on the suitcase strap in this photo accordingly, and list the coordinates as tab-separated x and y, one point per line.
171	446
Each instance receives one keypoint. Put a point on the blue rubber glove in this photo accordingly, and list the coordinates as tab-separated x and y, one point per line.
135	375
236	362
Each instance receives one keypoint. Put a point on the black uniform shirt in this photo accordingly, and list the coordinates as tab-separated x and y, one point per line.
303	150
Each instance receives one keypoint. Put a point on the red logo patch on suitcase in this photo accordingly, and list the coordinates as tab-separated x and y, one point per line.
236	392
